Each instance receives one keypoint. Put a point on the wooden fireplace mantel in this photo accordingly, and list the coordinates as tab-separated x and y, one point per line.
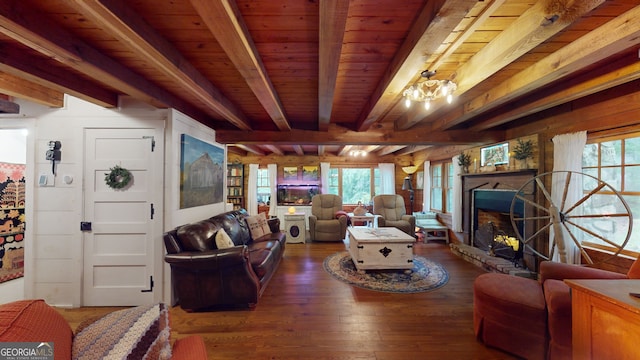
505	180
495	180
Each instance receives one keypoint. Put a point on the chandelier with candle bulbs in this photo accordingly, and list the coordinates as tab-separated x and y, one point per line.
427	90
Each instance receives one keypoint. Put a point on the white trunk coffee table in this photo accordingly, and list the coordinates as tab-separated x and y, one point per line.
380	248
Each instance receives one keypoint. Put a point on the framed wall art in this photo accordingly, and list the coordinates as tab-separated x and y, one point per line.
290	173
495	154
310	173
201	173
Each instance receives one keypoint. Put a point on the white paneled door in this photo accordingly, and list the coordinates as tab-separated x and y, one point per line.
122	227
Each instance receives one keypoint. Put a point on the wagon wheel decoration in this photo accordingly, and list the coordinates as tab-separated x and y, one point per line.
589	210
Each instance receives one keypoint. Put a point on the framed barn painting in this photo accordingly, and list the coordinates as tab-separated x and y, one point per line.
201	173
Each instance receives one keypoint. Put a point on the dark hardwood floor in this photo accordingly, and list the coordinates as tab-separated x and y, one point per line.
306	314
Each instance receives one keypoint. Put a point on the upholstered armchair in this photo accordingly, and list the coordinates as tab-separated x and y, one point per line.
393	213
531	318
325	222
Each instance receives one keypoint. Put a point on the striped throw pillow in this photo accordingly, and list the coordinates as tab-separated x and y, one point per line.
141	332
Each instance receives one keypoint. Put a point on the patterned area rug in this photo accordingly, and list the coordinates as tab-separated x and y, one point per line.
427	275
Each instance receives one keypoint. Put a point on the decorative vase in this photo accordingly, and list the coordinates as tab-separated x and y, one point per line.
524	164
465	169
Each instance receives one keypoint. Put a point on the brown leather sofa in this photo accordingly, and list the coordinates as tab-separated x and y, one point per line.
205	277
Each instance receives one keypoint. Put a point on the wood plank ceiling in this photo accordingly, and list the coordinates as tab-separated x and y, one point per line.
322	76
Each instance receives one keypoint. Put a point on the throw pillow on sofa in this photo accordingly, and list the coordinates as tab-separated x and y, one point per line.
255	227
141	332
223	241
264	223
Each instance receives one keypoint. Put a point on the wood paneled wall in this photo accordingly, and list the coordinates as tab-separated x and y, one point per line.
345	161
611	112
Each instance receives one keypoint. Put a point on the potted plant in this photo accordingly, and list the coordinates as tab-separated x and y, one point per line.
523	150
464	160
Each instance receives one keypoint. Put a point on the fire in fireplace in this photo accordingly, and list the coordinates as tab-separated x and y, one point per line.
491	217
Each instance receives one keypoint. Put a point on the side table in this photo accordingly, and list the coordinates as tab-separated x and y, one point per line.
605	318
295	227
369	219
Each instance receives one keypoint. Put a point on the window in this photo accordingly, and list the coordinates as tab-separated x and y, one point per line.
354	184
615	161
448	188
442	187
264	190
436	187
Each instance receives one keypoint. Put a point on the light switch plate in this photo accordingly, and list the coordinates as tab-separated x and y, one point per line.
43	180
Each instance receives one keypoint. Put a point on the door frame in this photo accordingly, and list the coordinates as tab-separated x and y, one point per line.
158	130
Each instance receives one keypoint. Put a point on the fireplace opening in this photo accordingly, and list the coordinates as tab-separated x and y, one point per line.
492	229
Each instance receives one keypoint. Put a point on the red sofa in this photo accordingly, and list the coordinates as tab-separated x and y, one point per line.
35	321
532	318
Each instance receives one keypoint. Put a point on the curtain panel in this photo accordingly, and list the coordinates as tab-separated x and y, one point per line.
387	178
567	156
273	183
252	193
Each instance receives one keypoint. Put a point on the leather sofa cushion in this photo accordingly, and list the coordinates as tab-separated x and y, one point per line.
198	236
264	255
235	225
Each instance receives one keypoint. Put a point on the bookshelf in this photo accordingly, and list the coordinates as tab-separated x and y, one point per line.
235	185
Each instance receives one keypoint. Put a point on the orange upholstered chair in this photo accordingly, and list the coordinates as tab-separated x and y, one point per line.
532	318
35	321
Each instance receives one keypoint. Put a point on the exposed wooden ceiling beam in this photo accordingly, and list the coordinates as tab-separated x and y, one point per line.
488	9
344	150
333	21
123	22
16	62
20	88
610	38
605	77
40	34
338	135
527	32
425	37
274	149
232	149
224	20
412	149
250	148
298	149
386	150
321	150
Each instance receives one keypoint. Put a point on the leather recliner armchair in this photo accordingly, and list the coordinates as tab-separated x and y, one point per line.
325	223
393	213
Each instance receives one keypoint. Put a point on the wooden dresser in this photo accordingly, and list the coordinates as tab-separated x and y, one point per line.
606	319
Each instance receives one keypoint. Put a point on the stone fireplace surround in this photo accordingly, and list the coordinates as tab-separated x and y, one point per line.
498	180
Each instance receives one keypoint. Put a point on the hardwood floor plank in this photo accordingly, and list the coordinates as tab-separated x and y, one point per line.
307	314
